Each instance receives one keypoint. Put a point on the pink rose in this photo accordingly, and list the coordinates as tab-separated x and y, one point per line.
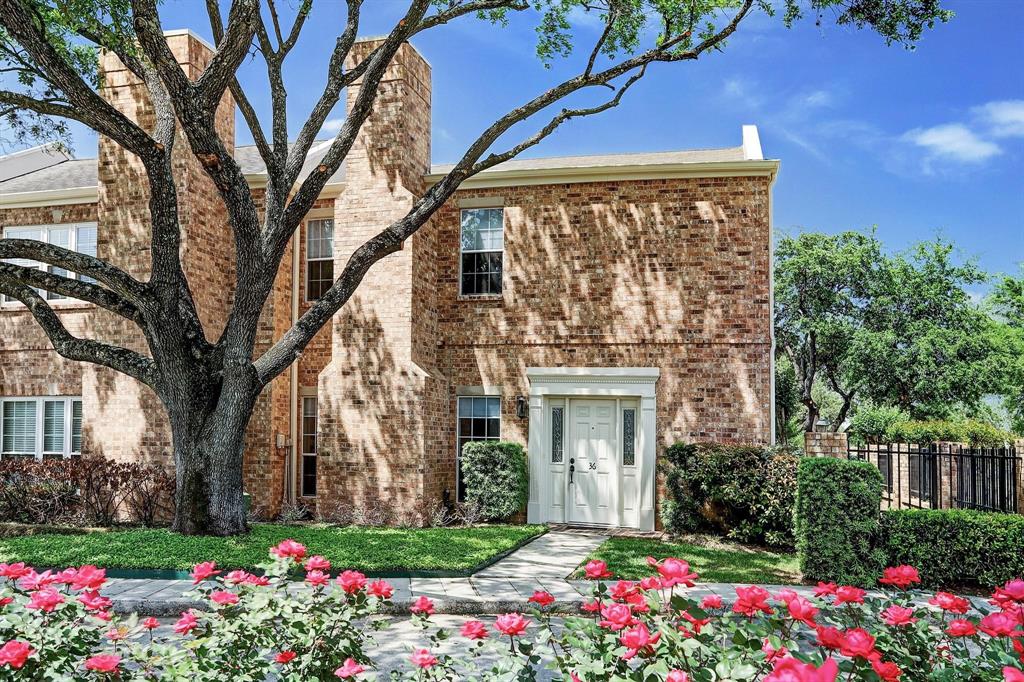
511	624
285	657
1012	675
961	627
1001	624
317	578
886	670
615	617
88	577
638	638
677	676
224	598
830	637
289	549
712	601
596	570
752	600
186	624
351	581
317	563
900	576
15	653
676	572
825	589
802	610
792	670
45	600
422	658
858	643
847	594
423	606
151	623
94	601
203	571
542	598
950	602
381	589
103	663
349	669
898	615
474	629
14	571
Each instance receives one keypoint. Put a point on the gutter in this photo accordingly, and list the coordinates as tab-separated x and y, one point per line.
50	197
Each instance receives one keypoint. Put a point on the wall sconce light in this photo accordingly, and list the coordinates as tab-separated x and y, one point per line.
521	406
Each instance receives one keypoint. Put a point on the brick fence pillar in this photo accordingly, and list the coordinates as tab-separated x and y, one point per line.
825	444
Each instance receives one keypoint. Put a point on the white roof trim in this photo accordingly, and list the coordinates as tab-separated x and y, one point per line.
751	144
557	176
49	197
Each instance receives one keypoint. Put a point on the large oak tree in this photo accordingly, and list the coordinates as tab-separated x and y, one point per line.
209	385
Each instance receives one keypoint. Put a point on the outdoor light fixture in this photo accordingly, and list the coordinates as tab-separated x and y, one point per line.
521	406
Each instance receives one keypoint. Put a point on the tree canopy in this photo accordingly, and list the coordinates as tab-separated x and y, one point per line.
209	385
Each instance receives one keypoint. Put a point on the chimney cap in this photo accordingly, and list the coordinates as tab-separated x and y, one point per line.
190	33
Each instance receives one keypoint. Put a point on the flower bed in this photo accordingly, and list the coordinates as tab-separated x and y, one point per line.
58	626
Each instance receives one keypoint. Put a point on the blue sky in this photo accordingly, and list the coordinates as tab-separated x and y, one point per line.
919	143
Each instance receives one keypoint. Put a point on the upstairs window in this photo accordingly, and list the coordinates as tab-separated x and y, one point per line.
482	243
81	238
319	257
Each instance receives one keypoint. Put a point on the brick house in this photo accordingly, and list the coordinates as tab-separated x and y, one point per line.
593	308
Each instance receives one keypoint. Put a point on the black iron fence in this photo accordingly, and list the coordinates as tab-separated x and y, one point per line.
946	476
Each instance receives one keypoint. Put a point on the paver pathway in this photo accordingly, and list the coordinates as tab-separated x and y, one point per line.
542	564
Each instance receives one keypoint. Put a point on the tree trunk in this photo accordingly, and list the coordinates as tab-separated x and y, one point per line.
208	448
812	414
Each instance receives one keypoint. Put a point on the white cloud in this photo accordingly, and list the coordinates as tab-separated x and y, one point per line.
332	125
817	98
1004	118
953	141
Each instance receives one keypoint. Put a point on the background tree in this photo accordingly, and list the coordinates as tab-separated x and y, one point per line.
1006	302
925	345
209	385
822	289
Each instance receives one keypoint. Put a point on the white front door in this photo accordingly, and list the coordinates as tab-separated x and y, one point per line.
593	457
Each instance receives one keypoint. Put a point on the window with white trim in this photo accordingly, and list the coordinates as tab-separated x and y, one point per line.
319	257
309	436
479	418
41	428
75	237
481	245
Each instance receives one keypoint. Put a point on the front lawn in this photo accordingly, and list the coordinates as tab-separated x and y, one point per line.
377	550
713	559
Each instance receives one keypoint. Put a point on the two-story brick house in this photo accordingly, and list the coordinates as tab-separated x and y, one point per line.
593	308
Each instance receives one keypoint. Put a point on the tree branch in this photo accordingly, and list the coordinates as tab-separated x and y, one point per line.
73	288
83	350
74	261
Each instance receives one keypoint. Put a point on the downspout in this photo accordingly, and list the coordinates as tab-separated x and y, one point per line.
293	402
771	306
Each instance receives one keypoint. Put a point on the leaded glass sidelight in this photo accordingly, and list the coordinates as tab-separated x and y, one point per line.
557	432
629	436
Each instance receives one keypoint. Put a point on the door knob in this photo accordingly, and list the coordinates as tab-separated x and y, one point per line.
572	469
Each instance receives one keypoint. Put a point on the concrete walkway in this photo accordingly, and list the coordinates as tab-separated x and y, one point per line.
542	564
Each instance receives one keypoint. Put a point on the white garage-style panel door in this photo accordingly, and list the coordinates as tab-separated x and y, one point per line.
594	462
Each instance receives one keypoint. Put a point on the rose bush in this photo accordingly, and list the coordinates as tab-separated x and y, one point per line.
58	625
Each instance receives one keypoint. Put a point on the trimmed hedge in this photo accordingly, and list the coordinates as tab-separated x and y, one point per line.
495	476
969	431
954	546
837	508
745	492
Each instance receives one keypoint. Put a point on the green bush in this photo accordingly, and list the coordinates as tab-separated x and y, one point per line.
837	508
969	431
745	492
956	546
870	422
495	477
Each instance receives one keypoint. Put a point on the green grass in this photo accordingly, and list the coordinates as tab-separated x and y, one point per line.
366	549
714	559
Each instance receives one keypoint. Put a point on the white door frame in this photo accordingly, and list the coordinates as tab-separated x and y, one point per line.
548	480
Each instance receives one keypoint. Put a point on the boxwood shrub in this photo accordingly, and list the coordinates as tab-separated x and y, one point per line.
745	492
954	546
837	510
495	477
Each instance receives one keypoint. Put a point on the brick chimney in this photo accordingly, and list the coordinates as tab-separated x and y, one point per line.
123	417
380	396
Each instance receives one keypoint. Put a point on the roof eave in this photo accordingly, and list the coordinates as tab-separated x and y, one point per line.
49	197
557	176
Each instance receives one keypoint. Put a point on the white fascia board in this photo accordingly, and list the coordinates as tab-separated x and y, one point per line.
49	197
557	176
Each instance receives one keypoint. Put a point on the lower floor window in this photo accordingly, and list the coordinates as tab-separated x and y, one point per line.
309	434
479	418
39	428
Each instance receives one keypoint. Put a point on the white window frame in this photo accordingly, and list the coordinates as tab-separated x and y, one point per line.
44	232
302	444
306	280
462	251
40	401
458	439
